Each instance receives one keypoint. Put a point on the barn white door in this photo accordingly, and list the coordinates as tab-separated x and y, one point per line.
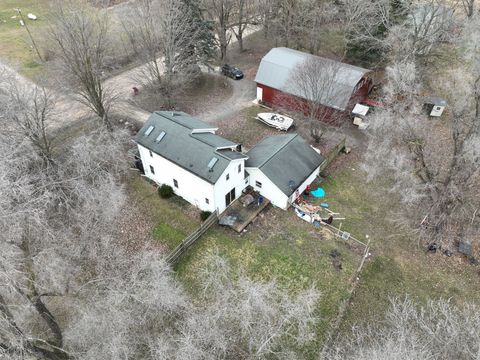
259	93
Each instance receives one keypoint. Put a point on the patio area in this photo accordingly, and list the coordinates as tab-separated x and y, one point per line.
243	210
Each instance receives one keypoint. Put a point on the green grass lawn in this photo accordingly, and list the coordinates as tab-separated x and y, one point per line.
172	224
399	266
15	44
278	245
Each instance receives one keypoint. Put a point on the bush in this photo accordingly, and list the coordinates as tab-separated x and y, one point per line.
204	215
165	191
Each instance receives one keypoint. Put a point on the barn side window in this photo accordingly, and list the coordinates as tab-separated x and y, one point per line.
258	184
175	183
207	201
151	154
152	170
239	168
228	177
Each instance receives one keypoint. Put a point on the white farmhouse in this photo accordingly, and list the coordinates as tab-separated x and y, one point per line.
205	169
210	172
280	167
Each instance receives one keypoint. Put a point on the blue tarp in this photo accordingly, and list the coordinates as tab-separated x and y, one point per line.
318	193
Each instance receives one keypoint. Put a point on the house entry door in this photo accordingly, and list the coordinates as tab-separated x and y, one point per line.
229	197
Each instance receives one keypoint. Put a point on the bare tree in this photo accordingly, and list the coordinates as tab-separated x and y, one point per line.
405	29
80	41
241	318
246	13
169	40
316	91
27	112
468	6
437	330
221	13
51	220
434	167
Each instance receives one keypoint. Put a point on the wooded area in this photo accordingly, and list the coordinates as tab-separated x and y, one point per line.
71	289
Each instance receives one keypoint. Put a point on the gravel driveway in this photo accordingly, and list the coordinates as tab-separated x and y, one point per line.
244	92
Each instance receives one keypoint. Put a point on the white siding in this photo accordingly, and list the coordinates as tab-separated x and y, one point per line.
236	180
268	189
190	187
304	185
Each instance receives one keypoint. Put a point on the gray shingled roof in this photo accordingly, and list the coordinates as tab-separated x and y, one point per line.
277	65
214	140
183	146
287	160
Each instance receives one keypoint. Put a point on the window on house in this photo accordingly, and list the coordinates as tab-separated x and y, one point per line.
246	181
175	183
149	130
207	201
258	184
228	176
239	167
151	154
152	170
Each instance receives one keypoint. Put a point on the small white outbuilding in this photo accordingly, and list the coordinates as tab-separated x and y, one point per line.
434	106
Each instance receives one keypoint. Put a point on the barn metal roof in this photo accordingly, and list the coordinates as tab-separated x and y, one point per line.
188	143
287	160
277	65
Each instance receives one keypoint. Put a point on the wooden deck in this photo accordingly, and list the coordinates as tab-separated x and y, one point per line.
237	216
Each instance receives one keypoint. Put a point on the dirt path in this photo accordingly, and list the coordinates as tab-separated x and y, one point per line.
68	110
242	96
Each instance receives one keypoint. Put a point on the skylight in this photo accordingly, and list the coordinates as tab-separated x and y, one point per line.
149	130
212	163
160	136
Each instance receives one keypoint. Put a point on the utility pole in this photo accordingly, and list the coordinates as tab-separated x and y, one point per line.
24	23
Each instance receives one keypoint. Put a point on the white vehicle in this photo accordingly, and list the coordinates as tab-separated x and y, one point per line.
277	121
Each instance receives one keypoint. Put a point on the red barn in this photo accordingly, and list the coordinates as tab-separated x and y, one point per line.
275	87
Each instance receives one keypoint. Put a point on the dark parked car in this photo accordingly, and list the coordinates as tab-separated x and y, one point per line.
232	72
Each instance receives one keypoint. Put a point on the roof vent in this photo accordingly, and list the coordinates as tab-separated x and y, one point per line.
149	130
212	163
160	136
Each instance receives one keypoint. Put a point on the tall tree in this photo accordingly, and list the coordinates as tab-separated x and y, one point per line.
172	39
432	166
406	29
436	330
468	6
246	12
315	83
27	112
80	43
51	221
221	13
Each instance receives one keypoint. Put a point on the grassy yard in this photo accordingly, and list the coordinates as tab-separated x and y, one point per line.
173	218
15	44
278	245
399	266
